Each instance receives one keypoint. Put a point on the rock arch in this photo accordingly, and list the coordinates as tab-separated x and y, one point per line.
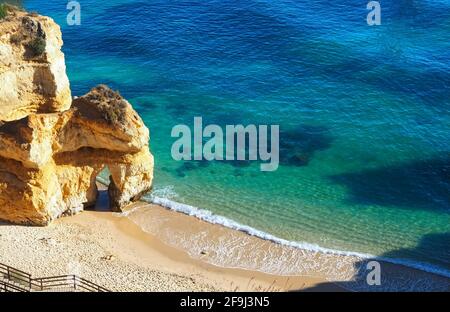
49	162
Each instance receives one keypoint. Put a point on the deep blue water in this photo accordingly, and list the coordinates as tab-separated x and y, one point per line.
364	112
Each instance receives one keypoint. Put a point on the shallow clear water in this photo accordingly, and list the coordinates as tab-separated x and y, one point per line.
364	112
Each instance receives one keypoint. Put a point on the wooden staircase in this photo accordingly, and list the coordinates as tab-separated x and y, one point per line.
14	280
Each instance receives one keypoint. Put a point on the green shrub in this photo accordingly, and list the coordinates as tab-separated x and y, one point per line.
113	111
37	46
110	105
16	38
3	11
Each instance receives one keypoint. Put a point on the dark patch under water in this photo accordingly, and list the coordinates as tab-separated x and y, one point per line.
421	184
298	146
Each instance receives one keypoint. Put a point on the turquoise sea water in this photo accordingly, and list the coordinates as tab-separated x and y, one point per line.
364	112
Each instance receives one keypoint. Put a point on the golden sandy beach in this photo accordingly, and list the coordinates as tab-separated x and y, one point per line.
114	252
117	254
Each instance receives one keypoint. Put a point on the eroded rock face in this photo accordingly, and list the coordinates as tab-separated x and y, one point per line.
32	68
49	162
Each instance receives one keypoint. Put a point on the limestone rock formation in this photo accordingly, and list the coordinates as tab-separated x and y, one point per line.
32	67
49	162
52	148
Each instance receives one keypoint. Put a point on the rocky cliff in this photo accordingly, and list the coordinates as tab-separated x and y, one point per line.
32	67
53	148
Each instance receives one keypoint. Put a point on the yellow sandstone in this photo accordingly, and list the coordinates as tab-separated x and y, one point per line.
52	148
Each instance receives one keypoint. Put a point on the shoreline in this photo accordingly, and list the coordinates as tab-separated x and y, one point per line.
117	252
211	218
247	253
150	251
223	278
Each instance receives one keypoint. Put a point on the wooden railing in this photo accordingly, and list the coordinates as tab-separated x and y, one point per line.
17	280
7	287
17	276
67	281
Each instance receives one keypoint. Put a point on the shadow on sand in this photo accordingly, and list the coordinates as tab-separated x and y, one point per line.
396	278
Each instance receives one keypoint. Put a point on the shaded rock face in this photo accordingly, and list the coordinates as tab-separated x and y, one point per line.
32	67
53	148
